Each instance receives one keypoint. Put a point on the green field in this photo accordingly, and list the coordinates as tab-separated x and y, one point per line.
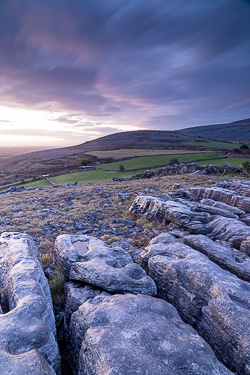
150	161
219	162
213	145
131	153
83	177
98	175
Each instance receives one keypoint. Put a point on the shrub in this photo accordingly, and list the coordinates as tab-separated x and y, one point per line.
85	162
173	161
246	165
121	168
237	150
244	147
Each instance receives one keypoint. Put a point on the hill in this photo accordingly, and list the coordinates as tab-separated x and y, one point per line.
237	131
203	138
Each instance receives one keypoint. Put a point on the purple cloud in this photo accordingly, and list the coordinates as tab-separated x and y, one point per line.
160	65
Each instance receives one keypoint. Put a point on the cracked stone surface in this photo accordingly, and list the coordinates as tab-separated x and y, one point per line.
27	329
137	334
209	298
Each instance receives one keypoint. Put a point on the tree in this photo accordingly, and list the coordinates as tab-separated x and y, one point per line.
121	168
244	147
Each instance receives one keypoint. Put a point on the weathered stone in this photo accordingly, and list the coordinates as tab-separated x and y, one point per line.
70	249
105	274
67	253
212	210
223	206
209	298
111	268
29	323
170	212
137	335
29	363
229	197
75	295
155	248
230	259
230	230
245	246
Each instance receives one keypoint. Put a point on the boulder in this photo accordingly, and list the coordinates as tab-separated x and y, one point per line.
75	295
230	197
171	212
106	275
223	206
69	249
227	258
209	298
28	363
28	327
137	334
213	210
230	230
91	261
156	246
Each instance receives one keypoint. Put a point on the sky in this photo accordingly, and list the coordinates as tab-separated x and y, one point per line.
72	71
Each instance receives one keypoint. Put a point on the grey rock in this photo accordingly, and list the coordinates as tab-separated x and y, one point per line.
230	259
223	206
245	246
28	363
209	298
90	260
128	334
69	249
75	295
170	212
155	248
29	325
104	274
230	230
229	197
212	210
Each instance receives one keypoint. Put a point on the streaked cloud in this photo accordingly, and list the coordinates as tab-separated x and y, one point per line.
108	65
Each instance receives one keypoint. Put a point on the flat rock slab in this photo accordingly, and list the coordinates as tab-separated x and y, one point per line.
209	298
156	247
223	206
104	274
230	197
29	325
165	212
109	268
227	258
137	335
230	230
70	249
29	363
75	295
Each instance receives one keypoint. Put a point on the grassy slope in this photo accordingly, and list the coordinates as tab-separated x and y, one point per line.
130	153
98	175
232	161
47	209
150	161
82	177
212	145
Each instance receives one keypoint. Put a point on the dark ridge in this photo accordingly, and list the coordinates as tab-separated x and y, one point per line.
237	131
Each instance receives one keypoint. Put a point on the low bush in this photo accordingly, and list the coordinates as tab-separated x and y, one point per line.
246	165
173	161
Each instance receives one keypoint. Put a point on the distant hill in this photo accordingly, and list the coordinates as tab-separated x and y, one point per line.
48	161
237	131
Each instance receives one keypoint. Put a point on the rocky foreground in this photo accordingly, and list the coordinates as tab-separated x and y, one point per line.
181	306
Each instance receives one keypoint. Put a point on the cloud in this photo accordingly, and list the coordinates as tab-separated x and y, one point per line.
142	63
